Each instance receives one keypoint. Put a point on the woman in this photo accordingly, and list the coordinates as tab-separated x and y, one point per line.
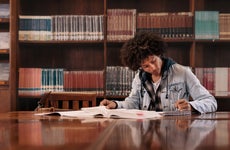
161	83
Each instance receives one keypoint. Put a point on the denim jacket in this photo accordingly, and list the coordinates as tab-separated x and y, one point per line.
181	84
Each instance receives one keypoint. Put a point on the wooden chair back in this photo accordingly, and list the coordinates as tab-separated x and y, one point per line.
70	100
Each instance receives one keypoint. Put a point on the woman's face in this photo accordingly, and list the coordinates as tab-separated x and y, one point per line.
152	64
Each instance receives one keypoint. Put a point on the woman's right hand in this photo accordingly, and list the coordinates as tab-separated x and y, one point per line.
108	103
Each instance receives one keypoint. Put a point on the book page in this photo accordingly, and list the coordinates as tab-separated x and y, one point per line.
77	114
121	113
133	114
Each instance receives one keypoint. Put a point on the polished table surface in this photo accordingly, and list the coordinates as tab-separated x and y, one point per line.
24	130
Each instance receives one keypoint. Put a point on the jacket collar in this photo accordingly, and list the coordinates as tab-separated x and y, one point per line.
167	63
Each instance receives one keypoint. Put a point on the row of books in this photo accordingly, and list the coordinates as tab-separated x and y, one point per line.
35	81
4	71
118	80
122	24
84	81
4	40
61	27
208	24
216	80
168	25
4	10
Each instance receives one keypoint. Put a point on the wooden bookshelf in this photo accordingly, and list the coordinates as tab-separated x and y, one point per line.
4	58
96	55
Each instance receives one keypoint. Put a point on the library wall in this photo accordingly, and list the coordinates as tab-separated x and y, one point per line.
79	38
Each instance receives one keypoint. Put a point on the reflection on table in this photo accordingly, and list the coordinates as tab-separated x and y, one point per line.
167	134
24	130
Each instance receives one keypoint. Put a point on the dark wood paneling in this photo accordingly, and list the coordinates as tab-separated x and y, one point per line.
223	104
4	99
61	7
151	6
212	54
68	56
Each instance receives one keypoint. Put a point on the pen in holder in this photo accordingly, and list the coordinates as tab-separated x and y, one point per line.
171	110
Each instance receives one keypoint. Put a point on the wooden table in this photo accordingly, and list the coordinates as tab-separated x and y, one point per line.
24	130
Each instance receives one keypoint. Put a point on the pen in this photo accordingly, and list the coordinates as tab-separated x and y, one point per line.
178	97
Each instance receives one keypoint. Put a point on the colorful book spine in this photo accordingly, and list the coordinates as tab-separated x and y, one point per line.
4	40
215	80
35	28
61	27
84	81
121	24
207	25
221	81
224	25
4	10
36	81
178	25
30	81
4	72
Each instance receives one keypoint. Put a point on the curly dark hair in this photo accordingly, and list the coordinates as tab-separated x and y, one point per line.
144	44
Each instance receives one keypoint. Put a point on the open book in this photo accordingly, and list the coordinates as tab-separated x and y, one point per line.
102	111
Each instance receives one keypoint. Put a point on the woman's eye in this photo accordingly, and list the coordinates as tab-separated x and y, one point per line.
153	61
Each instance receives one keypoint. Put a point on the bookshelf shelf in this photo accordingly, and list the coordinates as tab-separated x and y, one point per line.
4	51
214	41
179	40
4	20
62	42
97	55
4	83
